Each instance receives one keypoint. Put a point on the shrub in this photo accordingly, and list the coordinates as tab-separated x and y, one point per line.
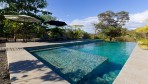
143	43
145	47
120	39
97	37
86	36
125	39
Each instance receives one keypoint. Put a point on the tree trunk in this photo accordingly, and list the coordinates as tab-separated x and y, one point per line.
95	33
110	38
14	37
1	30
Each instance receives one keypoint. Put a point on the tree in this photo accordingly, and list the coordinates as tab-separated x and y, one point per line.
143	31
98	27
74	32
111	23
116	20
47	17
76	26
27	7
112	32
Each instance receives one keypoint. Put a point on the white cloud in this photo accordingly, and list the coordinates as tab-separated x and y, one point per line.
3	5
136	20
87	22
139	17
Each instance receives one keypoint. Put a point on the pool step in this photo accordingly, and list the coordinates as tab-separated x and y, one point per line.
10	49
73	65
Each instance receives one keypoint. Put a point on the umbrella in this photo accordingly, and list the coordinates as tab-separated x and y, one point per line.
56	23
21	18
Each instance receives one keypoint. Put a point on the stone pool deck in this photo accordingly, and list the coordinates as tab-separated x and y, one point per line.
135	71
26	69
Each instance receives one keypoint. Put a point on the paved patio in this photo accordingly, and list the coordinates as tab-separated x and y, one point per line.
135	71
26	69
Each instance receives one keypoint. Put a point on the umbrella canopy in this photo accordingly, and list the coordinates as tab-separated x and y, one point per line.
21	18
56	23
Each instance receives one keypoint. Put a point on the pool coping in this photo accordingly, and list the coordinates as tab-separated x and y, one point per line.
135	69
125	76
16	53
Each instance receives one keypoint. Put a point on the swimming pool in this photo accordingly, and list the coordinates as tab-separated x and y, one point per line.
98	62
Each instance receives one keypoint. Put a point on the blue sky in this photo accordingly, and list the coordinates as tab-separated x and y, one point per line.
69	10
84	12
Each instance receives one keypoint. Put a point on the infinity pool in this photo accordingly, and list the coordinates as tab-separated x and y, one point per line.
92	63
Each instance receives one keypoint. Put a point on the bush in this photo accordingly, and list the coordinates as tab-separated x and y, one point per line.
145	47
98	37
120	39
143	43
107	39
92	37
86	36
125	39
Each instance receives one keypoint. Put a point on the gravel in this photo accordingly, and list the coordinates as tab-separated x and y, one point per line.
4	72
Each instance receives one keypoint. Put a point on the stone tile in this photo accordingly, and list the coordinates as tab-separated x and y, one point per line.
26	69
135	70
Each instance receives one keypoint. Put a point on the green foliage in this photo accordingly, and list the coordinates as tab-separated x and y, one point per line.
142	32
28	7
125	39
56	33
62	34
87	36
47	17
74	33
143	43
142	29
111	23
78	34
25	6
112	32
110	18
145	47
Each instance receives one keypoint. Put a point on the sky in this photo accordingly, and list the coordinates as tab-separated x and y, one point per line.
84	12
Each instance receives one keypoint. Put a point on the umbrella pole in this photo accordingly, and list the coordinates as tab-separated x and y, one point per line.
23	33
26	31
15	33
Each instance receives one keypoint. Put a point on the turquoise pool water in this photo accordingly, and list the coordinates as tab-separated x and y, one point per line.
92	63
116	52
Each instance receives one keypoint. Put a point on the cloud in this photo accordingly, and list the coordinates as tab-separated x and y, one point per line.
3	5
136	20
139	17
87	22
